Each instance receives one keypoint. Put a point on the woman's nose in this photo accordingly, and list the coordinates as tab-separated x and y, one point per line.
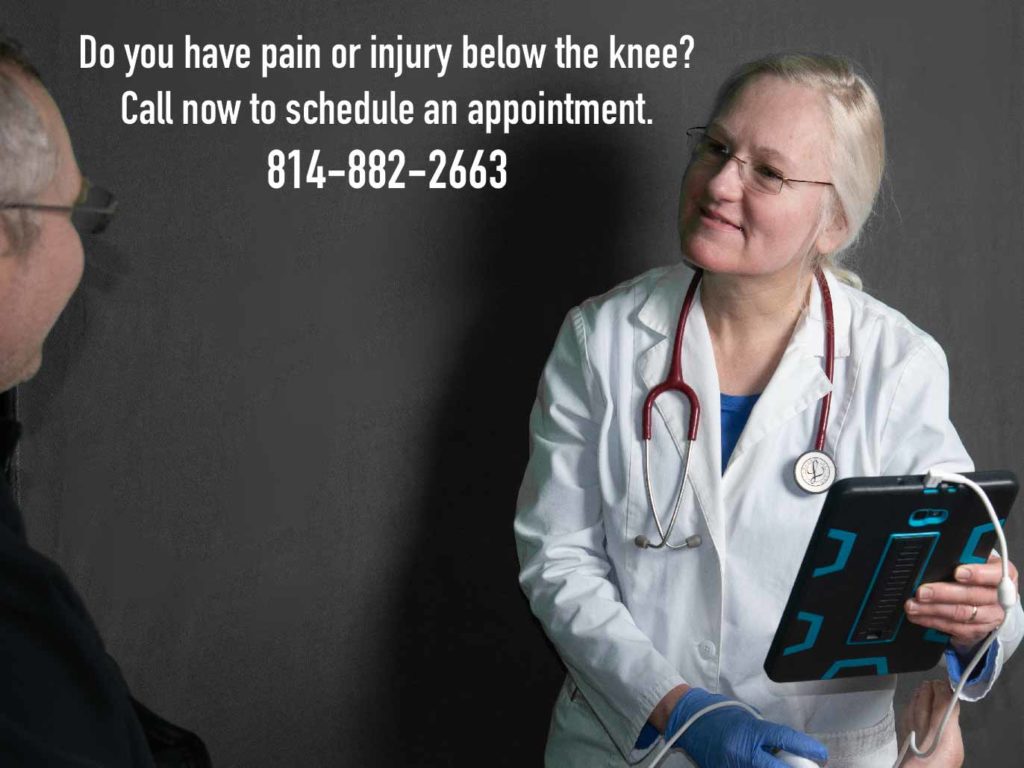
727	182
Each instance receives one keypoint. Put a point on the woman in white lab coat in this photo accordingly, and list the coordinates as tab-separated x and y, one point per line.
779	184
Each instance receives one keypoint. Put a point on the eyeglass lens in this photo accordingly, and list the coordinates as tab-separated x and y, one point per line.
94	213
711	152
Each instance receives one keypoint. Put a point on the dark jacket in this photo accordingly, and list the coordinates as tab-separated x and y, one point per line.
63	701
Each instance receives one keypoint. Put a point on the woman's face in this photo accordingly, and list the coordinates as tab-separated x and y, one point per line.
725	227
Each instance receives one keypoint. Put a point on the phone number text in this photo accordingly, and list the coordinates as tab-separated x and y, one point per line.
388	169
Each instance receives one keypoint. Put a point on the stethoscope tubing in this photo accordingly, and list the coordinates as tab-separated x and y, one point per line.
642	541
830	356
675	383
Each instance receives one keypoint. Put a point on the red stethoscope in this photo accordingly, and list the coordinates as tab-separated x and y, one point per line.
814	471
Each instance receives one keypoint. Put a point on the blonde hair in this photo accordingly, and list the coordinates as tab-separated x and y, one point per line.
858	155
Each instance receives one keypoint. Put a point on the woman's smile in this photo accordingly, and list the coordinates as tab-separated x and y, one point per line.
715	220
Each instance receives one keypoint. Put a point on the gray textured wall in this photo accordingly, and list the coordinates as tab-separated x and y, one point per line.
278	435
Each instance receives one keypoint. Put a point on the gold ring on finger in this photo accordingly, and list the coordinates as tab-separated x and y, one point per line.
974	613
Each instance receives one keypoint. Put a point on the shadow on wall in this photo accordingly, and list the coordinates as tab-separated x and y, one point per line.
473	677
105	268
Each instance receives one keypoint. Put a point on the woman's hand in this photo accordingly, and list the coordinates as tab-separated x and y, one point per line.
731	737
923	715
967	609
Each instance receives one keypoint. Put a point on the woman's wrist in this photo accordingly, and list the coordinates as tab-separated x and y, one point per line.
659	717
965	652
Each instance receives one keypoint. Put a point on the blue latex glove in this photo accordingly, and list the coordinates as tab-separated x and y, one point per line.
982	673
733	738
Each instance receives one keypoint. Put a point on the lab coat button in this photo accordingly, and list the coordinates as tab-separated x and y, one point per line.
707	650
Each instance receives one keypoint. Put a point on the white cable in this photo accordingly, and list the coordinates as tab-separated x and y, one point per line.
1007	593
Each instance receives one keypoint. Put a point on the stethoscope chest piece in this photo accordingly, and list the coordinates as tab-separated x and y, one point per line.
815	471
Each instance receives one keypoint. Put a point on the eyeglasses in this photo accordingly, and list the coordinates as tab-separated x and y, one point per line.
90	213
755	175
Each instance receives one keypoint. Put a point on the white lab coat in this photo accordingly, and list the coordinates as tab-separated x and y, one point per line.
632	624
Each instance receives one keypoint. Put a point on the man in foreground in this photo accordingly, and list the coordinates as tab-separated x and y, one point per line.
65	702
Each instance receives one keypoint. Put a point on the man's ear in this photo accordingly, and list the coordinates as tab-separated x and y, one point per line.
6	246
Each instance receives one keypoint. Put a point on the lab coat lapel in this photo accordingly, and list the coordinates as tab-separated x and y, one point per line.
799	381
660	313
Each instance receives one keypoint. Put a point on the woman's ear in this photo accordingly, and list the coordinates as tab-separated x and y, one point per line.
833	234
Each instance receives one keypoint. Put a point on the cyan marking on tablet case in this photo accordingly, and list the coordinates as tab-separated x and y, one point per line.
920	518
880	663
934	636
934	536
845	539
968	555
813	628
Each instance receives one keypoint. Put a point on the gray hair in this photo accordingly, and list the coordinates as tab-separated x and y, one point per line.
28	156
858	155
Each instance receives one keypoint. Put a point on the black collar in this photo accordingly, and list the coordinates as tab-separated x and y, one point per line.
10	431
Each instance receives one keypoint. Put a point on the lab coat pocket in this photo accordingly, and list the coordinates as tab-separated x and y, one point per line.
577	739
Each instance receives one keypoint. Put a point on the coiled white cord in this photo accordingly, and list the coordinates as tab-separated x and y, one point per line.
1007	594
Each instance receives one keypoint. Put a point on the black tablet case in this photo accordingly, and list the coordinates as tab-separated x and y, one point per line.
877	539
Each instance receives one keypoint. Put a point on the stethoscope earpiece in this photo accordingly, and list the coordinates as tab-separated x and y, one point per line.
692	542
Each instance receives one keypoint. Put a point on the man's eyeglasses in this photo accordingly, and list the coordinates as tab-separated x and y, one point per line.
90	213
756	176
